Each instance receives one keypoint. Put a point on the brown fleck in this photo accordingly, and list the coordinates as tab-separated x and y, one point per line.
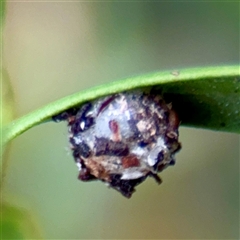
173	121
114	127
130	161
106	103
97	170
71	119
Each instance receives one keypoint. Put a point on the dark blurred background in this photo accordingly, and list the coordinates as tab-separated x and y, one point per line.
52	49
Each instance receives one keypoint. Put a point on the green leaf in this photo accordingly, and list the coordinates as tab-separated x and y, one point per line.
17	223
2	12
203	97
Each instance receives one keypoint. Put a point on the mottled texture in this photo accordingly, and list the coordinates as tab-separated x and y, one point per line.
122	139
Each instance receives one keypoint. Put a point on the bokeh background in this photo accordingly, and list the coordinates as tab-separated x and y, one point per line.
52	49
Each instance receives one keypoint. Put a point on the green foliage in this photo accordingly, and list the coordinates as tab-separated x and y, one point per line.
16	223
203	97
2	11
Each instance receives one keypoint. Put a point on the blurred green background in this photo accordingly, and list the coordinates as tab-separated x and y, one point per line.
52	49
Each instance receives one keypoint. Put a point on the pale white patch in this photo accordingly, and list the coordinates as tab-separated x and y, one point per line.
138	151
141	125
132	173
101	128
88	138
77	140
123	104
151	161
161	143
89	113
128	115
153	154
110	109
79	166
82	125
